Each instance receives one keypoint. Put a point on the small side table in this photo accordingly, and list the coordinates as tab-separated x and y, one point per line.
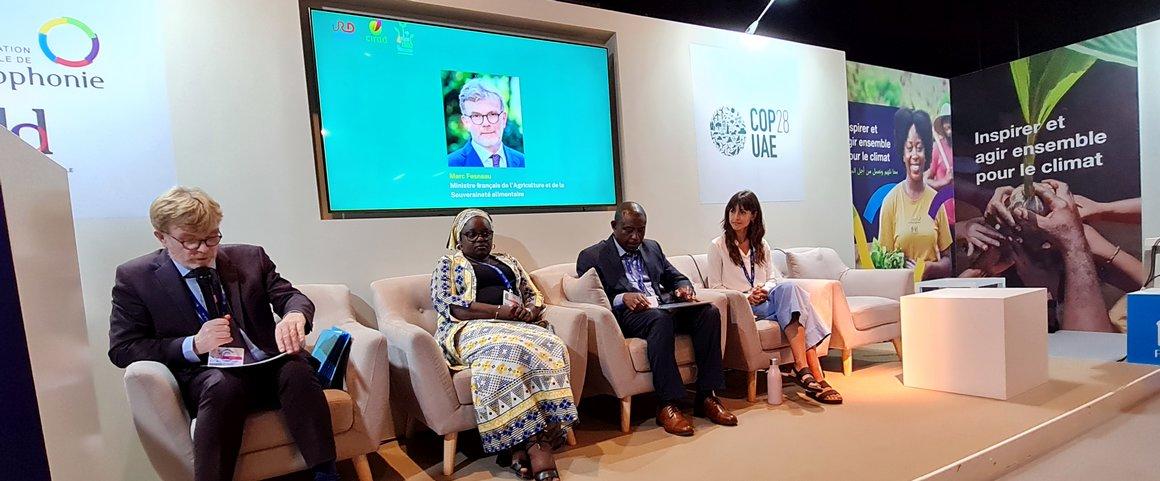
982	342
949	282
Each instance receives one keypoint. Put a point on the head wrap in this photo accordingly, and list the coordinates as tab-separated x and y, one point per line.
460	221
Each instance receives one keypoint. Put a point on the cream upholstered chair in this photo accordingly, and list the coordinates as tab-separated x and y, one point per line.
358	413
424	387
751	343
866	304
618	366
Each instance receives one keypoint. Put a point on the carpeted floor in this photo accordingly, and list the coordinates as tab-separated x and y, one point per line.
884	431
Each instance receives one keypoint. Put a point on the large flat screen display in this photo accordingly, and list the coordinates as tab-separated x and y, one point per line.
416	119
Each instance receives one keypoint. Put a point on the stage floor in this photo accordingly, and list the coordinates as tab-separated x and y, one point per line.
883	431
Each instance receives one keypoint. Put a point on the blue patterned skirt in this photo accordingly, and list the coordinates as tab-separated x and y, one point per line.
786	299
519	381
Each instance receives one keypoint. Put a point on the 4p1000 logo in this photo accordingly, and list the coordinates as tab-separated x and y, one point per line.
727	129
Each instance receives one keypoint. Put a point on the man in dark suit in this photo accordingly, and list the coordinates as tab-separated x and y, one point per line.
633	269
193	296
483	114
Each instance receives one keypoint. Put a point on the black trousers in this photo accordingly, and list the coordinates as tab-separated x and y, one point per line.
221	399
658	327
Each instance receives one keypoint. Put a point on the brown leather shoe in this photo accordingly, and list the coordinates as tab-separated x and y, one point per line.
674	421
712	409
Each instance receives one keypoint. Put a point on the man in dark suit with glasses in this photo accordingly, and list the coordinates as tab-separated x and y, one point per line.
187	303
483	114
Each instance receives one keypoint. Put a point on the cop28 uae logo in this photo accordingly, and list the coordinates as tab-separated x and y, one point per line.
62	21
727	129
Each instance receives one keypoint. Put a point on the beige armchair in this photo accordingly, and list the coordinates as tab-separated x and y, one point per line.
357	413
866	303
424	387
619	366
750	342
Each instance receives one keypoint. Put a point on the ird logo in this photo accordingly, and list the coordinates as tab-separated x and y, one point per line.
727	129
344	27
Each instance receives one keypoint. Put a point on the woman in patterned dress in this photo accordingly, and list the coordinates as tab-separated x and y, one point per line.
490	321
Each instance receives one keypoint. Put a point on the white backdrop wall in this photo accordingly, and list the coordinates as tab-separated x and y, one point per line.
237	94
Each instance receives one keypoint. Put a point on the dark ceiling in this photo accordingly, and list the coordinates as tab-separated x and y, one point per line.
935	37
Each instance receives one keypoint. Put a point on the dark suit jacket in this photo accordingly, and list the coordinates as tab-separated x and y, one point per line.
467	157
606	259
153	311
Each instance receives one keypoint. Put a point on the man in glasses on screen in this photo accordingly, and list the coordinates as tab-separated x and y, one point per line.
483	114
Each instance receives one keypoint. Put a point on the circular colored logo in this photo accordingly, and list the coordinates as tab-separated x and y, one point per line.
376	27
56	22
727	129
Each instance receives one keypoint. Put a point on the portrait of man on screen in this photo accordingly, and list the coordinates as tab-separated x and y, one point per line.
483	115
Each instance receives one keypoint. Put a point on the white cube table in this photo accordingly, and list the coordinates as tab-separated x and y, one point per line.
949	282
982	342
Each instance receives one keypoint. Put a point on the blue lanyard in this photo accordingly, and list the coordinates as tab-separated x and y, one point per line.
202	313
506	283
751	273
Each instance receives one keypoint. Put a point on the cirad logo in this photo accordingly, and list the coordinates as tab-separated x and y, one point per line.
376	29
730	131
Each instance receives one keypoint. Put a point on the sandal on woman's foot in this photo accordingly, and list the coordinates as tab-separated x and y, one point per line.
806	380
522	466
828	395
555	435
546	474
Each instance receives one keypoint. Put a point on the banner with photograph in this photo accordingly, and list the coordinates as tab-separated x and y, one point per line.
745	105
901	170
84	82
1047	178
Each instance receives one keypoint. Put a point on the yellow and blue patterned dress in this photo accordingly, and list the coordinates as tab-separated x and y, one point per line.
519	372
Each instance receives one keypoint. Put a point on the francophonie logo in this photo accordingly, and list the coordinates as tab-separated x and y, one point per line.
61	21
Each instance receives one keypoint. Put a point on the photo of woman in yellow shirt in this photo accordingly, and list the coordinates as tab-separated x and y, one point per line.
905	222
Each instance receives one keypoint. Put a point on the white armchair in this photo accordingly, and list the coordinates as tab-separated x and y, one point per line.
866	303
358	413
618	365
750	342
426	390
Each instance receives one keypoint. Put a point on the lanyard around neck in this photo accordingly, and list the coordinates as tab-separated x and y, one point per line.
751	273
506	283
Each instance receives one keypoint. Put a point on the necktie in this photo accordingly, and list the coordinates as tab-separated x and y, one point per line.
205	280
637	271
495	160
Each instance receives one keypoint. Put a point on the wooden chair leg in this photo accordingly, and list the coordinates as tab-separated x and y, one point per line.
571	437
625	414
897	346
362	468
409	427
847	361
751	379
450	441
